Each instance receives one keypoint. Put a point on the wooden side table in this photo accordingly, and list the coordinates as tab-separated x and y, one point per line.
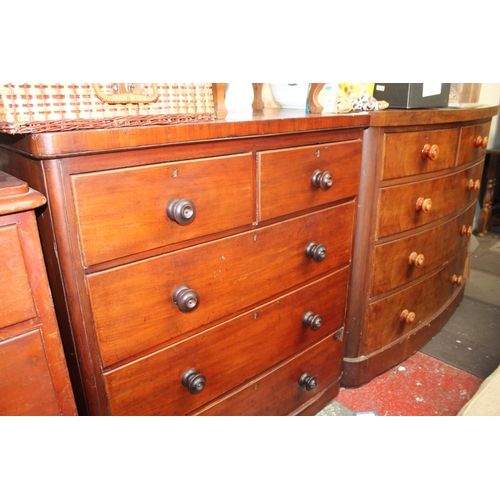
490	196
34	379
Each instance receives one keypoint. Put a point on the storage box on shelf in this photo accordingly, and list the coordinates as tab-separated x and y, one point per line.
420	183
34	378
200	269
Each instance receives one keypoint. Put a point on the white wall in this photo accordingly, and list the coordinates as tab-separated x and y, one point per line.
490	94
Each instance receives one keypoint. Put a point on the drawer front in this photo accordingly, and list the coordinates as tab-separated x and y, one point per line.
26	386
403	260
123	212
473	142
423	299
286	184
228	355
412	153
16	300
399	209
279	392
133	305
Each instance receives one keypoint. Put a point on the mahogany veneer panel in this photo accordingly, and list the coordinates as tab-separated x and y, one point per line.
116	258
278	392
26	383
424	298
33	375
392	267
229	274
285	176
390	228
127	207
397	205
403	152
225	354
16	304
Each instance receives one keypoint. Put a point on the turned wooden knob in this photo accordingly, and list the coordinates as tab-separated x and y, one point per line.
181	210
310	383
466	231
313	321
416	259
186	299
316	252
423	205
430	152
481	142
474	185
407	317
193	381
457	280
322	180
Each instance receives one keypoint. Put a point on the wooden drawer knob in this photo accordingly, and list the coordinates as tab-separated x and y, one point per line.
181	210
407	317
481	142
316	252
457	280
416	259
430	152
474	185
466	231
193	381
313	321
310	383
322	180
186	299
423	205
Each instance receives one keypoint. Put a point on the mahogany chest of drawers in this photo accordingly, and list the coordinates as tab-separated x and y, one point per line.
34	378
420	182
201	268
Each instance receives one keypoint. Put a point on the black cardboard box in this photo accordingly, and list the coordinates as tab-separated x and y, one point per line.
413	95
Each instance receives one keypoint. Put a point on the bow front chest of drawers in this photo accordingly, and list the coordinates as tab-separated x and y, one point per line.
200	268
420	183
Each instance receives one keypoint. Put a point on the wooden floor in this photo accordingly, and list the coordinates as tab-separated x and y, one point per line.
445	374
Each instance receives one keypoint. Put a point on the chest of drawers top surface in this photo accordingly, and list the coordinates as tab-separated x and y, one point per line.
267	122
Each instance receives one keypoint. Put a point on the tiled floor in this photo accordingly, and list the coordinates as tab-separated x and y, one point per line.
445	374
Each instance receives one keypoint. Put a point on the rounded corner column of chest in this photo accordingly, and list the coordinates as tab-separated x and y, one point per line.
420	182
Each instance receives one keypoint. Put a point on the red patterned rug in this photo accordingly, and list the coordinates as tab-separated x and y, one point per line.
420	386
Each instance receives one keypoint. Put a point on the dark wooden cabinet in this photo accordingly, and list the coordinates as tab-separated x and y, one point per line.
201	268
420	181
34	378
249	266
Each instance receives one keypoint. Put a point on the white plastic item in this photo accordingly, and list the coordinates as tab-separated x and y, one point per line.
328	97
290	95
